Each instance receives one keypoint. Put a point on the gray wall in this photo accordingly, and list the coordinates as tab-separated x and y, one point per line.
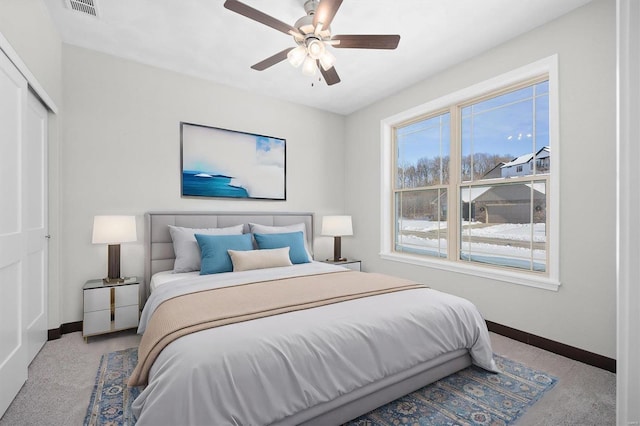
583	312
26	25
118	152
121	155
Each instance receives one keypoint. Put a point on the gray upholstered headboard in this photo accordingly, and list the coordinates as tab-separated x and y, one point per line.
159	255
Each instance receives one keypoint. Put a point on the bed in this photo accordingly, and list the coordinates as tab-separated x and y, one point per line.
314	366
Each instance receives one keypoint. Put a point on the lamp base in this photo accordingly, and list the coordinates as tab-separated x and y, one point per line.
337	256
113	273
342	259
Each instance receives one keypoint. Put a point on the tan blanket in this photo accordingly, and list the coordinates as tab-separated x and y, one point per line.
193	312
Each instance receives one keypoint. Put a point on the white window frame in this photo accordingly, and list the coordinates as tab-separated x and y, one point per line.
549	281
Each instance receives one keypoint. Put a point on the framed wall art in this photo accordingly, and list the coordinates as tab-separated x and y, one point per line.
230	164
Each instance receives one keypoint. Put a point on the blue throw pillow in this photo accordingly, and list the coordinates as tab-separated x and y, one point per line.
293	240
214	255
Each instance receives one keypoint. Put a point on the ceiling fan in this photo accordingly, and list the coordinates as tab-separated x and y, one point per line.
312	34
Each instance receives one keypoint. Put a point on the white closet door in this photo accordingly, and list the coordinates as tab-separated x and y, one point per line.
34	175
13	239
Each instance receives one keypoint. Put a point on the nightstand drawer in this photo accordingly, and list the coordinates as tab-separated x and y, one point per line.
355	265
96	322
127	295
97	299
126	317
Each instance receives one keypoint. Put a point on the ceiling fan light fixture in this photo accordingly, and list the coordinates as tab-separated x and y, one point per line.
297	56
315	48
327	60
309	66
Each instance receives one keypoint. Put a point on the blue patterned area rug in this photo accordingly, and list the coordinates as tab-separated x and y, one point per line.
472	396
111	398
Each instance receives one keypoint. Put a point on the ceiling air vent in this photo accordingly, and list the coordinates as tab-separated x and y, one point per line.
88	7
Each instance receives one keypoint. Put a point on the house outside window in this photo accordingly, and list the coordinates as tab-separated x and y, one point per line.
471	183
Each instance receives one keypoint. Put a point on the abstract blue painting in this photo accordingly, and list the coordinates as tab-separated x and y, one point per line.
226	163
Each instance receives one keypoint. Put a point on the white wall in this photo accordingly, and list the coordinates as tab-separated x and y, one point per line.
121	155
26	25
583	312
627	367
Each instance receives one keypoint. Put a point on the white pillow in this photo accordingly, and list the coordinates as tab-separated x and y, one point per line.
186	247
256	228
259	259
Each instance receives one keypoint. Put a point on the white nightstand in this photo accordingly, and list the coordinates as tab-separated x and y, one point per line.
110	307
349	263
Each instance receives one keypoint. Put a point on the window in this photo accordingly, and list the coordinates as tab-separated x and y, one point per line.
503	219
422	181
471	182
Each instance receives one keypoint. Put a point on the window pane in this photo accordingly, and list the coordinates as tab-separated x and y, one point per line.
500	101
542	88
421	225
501	135
542	162
422	155
500	225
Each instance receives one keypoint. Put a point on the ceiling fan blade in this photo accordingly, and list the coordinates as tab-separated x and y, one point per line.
325	12
330	76
272	60
258	16
389	41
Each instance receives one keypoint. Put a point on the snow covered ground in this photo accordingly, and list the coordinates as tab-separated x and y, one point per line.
501	252
513	232
503	231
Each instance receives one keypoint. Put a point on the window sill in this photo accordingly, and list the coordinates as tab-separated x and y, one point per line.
511	277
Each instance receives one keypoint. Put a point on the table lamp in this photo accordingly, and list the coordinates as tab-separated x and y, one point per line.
114	230
337	227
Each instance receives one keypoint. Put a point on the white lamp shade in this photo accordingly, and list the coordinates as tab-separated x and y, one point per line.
309	66
337	226
114	229
327	60
315	49
296	56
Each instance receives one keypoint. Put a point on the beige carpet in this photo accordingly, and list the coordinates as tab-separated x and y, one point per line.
62	376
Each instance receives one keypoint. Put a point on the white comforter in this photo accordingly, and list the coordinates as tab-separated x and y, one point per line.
259	372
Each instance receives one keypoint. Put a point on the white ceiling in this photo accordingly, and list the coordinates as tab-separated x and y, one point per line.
203	39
